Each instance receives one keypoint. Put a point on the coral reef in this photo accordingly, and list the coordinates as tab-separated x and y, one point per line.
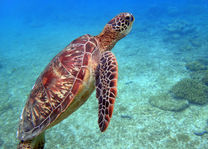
1	142
196	42
1	62
184	35
164	101
197	75
185	46
203	61
191	90
199	70
180	28
196	66
205	78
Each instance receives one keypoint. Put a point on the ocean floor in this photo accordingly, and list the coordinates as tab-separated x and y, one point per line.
151	59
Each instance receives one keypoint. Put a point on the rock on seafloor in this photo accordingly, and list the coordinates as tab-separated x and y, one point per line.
164	101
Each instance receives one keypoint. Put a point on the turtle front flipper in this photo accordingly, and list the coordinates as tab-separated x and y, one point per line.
36	143
106	88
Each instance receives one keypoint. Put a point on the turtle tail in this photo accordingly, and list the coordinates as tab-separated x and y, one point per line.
36	143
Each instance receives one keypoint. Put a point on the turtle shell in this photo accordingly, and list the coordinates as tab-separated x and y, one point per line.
64	85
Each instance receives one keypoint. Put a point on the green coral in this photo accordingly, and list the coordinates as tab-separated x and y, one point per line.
195	66
205	78
191	90
197	75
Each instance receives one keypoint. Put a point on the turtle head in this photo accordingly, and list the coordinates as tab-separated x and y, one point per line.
115	29
121	24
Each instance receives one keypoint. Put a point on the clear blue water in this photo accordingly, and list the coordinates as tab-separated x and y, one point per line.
165	38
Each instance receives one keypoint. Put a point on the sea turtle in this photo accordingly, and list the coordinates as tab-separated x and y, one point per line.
70	78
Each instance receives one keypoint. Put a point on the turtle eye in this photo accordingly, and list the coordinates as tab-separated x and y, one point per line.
132	18
127	18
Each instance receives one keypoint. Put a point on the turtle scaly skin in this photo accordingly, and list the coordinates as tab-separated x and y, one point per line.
70	78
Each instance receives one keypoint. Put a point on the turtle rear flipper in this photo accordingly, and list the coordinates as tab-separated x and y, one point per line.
106	88
36	143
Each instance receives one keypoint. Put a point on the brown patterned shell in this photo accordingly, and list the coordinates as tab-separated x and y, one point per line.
66	79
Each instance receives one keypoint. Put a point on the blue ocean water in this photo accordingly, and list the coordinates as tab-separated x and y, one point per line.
168	43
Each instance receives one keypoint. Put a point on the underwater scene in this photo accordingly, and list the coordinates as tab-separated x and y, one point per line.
162	87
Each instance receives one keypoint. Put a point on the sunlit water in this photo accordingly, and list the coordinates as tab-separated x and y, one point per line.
165	38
